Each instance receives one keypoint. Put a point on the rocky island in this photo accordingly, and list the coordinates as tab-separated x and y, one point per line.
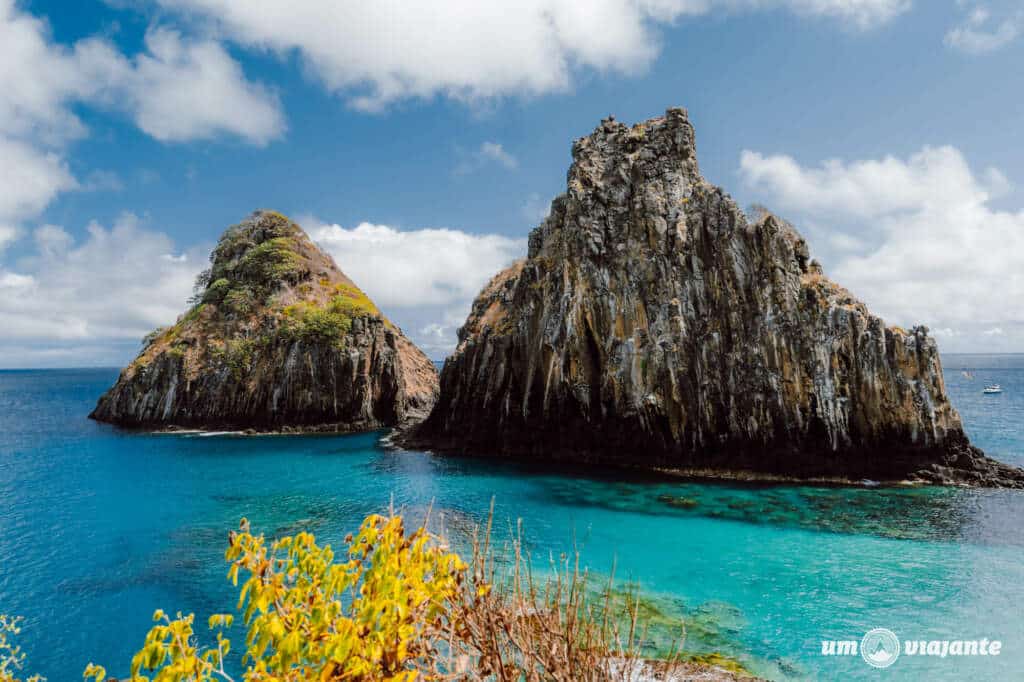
278	339
654	324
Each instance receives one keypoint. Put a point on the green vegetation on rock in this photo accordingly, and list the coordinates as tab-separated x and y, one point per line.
237	354
251	262
217	290
329	323
270	263
312	324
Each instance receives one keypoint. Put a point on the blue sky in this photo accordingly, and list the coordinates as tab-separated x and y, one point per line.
421	146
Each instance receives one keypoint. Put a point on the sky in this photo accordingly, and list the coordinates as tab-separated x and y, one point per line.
419	143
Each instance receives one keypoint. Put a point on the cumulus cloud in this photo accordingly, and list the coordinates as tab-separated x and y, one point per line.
416	267
32	178
180	90
925	243
424	279
865	189
175	90
116	284
381	52
982	32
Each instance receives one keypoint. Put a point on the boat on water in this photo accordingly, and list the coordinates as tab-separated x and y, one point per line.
993	388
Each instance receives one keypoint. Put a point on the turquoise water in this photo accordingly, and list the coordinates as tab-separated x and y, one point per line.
99	527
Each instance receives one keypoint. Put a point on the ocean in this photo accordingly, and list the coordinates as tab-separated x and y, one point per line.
100	527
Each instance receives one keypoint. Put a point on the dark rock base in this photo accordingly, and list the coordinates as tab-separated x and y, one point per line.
956	463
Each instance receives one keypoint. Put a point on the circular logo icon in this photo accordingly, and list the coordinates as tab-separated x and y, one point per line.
880	647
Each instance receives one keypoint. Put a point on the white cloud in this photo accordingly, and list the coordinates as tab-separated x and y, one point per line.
995	331
865	189
862	13
487	153
925	243
14	282
36	78
175	90
416	267
425	279
496	152
32	178
117	284
183	90
982	32
381	52
438	339
7	235
178	89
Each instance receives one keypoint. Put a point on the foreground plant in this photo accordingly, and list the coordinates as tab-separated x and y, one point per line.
398	607
378	614
11	657
561	628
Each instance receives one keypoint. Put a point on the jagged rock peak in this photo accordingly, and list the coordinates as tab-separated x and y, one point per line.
653	324
277	338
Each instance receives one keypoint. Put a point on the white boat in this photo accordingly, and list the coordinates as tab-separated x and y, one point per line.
994	388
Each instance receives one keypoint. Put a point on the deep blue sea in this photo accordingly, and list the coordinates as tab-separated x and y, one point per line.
99	527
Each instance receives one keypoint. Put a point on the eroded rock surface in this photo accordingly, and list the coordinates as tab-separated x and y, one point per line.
278	339
653	324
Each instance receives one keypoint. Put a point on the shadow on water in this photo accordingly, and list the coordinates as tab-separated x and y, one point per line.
912	513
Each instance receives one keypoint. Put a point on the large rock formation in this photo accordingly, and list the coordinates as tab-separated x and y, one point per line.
278	339
654	324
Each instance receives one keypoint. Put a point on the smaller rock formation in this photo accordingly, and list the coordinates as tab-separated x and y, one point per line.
278	339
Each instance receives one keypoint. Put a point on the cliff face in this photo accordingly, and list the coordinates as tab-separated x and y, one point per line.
278	339
653	324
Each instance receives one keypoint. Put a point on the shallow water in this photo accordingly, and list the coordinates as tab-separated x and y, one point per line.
99	527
